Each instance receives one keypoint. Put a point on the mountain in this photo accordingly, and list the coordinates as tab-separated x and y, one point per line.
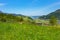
34	17
0	11
55	13
9	17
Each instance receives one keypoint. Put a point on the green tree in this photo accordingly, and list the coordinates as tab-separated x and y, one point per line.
19	19
3	19
53	20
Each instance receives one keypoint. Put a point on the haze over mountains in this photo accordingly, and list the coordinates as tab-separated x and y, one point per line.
55	13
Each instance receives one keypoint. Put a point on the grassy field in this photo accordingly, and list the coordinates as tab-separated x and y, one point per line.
16	31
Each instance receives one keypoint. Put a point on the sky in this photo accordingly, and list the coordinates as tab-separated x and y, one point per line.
29	7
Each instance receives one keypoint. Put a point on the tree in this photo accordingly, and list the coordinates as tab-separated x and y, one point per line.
19	19
3	19
53	20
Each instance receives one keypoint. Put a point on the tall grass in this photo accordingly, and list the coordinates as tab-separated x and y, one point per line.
16	31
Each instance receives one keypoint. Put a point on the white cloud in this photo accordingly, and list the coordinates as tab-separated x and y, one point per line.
40	11
52	5
2	4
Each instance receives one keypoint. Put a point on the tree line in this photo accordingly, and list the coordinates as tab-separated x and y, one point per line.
5	17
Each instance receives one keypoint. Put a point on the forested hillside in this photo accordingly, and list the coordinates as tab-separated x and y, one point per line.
55	13
9	17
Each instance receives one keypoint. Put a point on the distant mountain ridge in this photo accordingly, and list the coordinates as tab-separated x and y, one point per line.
12	14
9	17
34	17
55	13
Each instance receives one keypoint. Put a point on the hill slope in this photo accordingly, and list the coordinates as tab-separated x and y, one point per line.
55	13
13	17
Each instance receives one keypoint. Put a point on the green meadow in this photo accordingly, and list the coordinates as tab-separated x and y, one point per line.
17	31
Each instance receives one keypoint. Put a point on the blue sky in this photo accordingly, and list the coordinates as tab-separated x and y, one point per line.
29	7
